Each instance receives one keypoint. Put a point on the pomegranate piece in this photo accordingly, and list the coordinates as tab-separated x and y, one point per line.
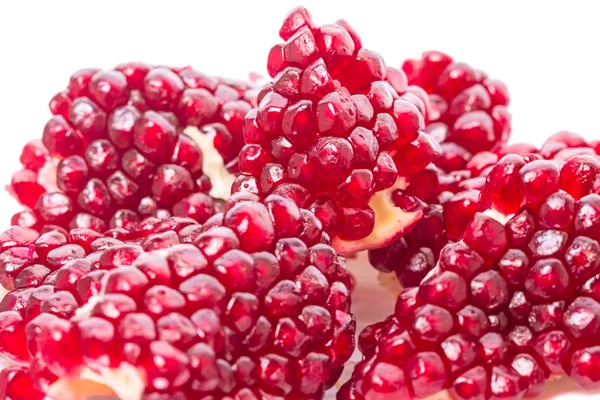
452	191
120	136
332	134
256	304
462	102
523	278
466	113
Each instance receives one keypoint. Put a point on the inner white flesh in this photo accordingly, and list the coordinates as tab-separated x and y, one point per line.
126	382
47	175
391	222
3	292
212	164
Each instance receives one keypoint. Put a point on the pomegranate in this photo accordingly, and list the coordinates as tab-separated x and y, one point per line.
253	303
452	198
332	134
132	271
134	141
514	301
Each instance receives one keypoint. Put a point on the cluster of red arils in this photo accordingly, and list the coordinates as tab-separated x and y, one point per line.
511	304
450	200
128	143
134	273
254	302
467	110
337	131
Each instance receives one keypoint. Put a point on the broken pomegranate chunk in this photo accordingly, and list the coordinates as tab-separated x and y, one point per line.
135	141
332	134
522	281
465	108
253	303
452	198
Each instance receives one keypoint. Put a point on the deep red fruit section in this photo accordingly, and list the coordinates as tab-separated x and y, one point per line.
466	113
451	190
465	107
515	300
16	384
254	303
118	146
330	132
30	258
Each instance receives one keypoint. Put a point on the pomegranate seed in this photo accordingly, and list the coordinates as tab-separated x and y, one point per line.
34	155
582	369
16	383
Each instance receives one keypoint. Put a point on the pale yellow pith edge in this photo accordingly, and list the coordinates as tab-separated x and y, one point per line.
389	281
212	164
125	383
387	217
3	292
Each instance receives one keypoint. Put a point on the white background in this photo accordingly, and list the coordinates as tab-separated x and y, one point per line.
547	52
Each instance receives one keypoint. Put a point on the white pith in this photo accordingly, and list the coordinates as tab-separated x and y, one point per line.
3	292
47	175
212	164
126	382
388	217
